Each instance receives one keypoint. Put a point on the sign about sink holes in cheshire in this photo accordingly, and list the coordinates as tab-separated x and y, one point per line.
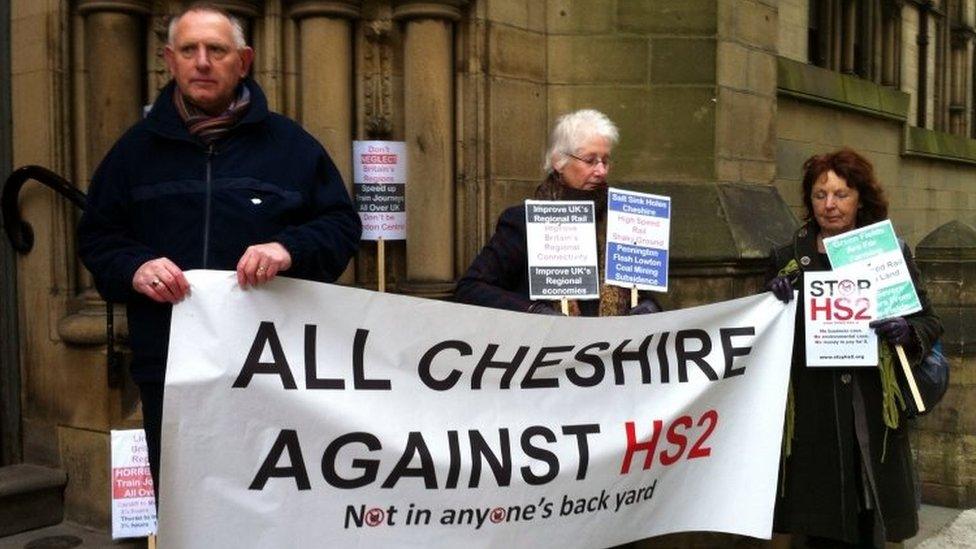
380	177
475	427
561	243
638	233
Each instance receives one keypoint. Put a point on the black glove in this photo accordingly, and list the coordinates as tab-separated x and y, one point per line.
645	307
781	287
543	308
896	330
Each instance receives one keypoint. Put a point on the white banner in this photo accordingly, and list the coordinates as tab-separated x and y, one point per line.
307	415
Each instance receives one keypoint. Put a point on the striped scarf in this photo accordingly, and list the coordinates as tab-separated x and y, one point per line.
211	128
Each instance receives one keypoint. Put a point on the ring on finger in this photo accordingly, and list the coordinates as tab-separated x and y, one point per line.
261	270
155	283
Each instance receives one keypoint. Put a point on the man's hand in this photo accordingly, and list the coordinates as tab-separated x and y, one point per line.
262	262
161	280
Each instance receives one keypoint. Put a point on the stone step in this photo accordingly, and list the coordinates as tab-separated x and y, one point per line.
31	496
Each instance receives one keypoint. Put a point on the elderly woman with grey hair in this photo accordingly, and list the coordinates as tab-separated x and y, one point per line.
577	163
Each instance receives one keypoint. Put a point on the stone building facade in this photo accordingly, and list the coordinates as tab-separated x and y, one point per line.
718	103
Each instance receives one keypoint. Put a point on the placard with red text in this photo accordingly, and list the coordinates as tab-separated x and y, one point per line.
133	500
838	307
380	177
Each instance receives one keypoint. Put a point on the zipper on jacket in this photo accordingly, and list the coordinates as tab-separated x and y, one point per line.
206	213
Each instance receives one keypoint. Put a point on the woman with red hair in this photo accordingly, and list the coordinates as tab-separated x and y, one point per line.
847	478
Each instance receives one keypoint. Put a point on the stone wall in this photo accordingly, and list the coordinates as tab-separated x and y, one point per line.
944	440
927	175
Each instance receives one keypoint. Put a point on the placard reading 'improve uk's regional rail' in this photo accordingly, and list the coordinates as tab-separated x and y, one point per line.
638	233
133	498
839	306
380	176
301	414
561	242
875	248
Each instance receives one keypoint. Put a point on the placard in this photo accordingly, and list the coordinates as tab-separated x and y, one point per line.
875	248
133	500
561	243
838	307
638	234
303	414
380	177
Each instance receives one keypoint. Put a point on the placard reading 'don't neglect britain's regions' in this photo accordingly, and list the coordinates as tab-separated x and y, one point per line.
380	176
561	243
133	498
838	308
638	233
875	248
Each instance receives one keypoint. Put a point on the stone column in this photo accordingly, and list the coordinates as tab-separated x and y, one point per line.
113	54
428	84
113	51
325	89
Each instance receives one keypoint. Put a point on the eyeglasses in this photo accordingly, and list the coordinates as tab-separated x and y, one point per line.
592	161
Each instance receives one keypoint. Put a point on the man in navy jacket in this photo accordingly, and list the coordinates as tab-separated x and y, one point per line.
210	179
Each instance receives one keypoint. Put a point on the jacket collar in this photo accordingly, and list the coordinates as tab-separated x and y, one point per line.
805	248
164	120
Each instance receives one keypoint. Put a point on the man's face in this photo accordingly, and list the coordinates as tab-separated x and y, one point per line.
204	60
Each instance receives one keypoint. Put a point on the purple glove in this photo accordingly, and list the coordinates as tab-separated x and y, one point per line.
781	287
896	330
543	308
645	307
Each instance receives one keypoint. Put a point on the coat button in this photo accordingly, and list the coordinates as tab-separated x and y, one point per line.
805	260
845	378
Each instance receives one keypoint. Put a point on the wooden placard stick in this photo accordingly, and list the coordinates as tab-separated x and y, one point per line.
564	305
151	541
633	296
381	264
912	386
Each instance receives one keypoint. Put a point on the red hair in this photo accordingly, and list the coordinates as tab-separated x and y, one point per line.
858	172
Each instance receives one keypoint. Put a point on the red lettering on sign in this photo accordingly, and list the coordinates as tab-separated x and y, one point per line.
379	158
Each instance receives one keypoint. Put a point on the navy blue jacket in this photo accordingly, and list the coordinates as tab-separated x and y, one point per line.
160	192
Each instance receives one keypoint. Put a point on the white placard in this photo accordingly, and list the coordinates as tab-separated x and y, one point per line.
133	501
380	177
301	414
875	248
638	238
561	243
838	308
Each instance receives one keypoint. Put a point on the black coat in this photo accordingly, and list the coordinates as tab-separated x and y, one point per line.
160	192
836	466
499	276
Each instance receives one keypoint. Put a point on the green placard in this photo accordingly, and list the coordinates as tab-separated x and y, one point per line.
875	249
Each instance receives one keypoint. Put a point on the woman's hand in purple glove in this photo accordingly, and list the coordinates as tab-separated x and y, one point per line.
896	330
781	287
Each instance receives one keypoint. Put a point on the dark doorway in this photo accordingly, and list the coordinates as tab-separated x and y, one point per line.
10	447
